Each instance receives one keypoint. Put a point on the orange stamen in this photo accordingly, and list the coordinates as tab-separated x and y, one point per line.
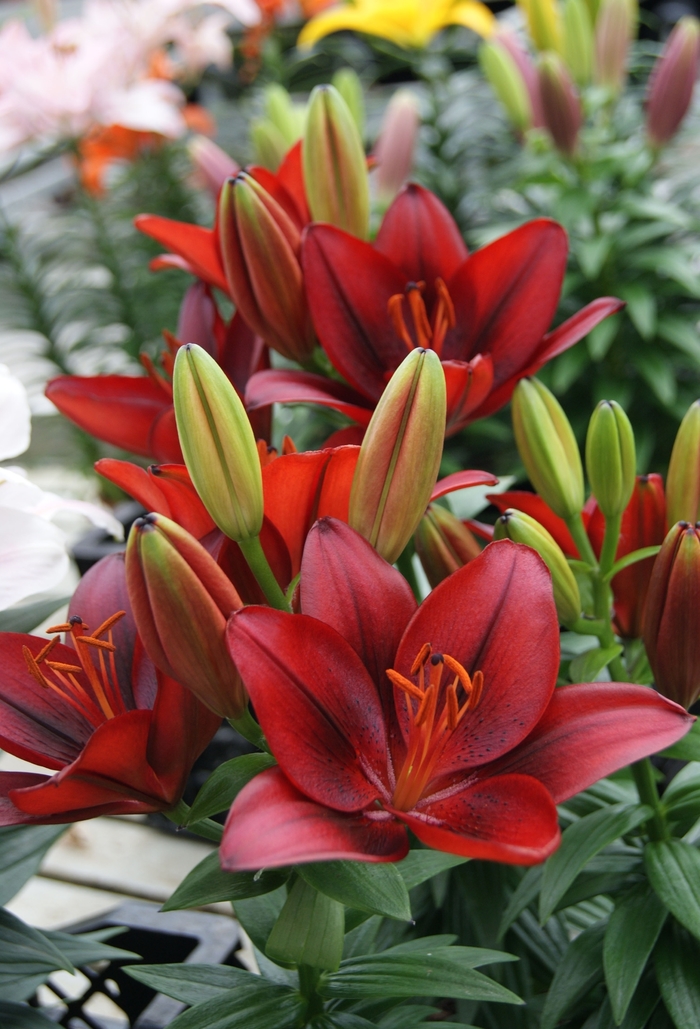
424	333
444	318
395	308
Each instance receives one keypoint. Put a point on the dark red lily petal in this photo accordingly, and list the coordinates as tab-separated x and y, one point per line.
462	480
420	236
505	296
291	175
330	714
177	715
242	353
291	387
351	435
34	725
508	818
135	481
590	730
533	505
119	409
576	327
9	814
271	824
468	384
348	285
345	583
334	498
197	245
496	614
163	439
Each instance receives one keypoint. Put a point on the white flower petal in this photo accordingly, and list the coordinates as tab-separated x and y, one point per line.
15	416
33	556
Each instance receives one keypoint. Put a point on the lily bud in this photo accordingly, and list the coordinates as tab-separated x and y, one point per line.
578	41
683	481
260	247
198	318
218	443
335	167
400	455
510	42
561	104
613	33
543	23
504	76
212	164
269	145
548	448
348	84
672	81
521	528
443	544
395	147
611	458
181	601
672	616
287	117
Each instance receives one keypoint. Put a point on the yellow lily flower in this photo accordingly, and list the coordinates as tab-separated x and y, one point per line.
408	23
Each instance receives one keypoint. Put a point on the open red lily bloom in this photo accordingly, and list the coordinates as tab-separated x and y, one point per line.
485	314
643	525
442	718
121	736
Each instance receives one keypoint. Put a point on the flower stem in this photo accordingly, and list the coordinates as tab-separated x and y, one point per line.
648	794
259	566
206	827
580	536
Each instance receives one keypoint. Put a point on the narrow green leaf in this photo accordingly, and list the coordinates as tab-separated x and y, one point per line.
244	1009
207	884
688	748
677	961
378	889
682	797
27	616
632	931
309	930
360	939
420	865
194	984
631	559
580	842
640	1010
641	307
19	1016
404	1015
28	958
258	915
587	667
22	848
225	783
579	970
528	888
673	868
84	948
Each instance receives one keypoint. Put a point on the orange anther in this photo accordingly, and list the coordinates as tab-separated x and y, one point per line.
461	673
109	622
395	308
452	706
404	684
63	627
424	332
426	704
421	657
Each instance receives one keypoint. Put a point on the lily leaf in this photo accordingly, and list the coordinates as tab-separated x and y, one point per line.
378	889
208	884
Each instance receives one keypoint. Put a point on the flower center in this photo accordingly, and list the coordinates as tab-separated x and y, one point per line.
428	336
434	712
99	698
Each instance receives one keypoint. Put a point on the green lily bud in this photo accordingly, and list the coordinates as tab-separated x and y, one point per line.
544	24
287	117
269	146
218	443
443	544
548	448
611	458
683	481
348	84
335	167
400	455
578	41
182	601
521	528
508	84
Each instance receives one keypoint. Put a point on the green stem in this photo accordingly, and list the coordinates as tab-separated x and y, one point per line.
649	795
590	627
610	544
206	827
250	730
259	566
580	537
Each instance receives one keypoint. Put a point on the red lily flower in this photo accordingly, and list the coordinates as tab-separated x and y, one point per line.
643	525
485	314
442	718
121	736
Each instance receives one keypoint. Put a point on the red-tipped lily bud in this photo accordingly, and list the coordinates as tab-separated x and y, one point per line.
548	448
505	77
613	33
672	81
395	147
611	458
260	247
335	167
212	164
561	104
218	443
199	319
683	482
510	42
521	528
672	616
400	455
181	601
443	544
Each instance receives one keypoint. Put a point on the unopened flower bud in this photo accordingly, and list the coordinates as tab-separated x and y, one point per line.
260	246
269	145
672	81
287	117
521	528
561	104
181	601
443	544
400	455
335	167
348	84
544	24
218	444
508	84
611	458
510	42
683	481
212	164
578	41
394	150
672	616
198	318
613	33
548	448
